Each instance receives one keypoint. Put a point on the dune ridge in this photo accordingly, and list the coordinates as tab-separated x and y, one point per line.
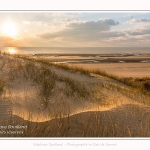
54	102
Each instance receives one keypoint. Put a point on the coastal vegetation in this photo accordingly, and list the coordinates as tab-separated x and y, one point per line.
61	100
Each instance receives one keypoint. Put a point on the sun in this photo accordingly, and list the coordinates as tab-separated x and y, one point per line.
9	29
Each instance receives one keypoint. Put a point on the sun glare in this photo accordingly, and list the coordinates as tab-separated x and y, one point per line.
12	51
9	29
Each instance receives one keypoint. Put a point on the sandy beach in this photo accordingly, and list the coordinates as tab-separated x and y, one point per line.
120	65
122	69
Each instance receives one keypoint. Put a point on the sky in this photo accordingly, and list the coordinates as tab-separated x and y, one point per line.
74	29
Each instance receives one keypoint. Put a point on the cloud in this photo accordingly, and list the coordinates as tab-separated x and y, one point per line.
101	25
139	31
128	16
139	20
26	22
8	41
50	17
89	30
131	17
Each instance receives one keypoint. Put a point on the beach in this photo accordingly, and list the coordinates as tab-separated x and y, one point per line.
47	95
128	65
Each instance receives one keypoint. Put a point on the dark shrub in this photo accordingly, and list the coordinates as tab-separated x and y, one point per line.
147	86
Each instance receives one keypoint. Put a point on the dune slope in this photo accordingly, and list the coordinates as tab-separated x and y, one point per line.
52	102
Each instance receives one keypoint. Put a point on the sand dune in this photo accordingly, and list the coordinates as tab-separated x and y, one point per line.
5	111
76	105
123	121
128	120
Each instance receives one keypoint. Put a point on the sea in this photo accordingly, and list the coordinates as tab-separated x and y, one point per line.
76	50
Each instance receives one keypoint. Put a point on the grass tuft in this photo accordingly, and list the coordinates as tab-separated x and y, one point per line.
2	83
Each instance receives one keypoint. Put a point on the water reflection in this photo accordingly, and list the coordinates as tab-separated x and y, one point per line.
11	50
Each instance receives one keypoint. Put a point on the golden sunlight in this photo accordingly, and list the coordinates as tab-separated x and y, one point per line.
12	51
9	29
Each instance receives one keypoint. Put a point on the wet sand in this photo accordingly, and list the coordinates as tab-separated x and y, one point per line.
95	58
128	65
122	69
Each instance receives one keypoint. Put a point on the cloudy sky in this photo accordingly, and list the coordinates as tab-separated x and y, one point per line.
79	29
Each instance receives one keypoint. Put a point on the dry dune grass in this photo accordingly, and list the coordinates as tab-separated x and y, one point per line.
59	101
127	120
124	121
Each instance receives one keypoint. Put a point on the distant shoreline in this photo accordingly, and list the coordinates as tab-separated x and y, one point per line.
120	65
95	58
93	51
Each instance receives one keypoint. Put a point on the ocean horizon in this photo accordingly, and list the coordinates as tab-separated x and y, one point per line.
77	50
